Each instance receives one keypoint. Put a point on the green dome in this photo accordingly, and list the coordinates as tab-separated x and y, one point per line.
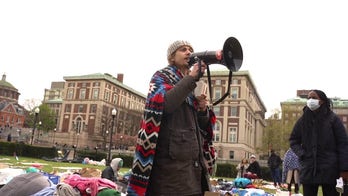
4	83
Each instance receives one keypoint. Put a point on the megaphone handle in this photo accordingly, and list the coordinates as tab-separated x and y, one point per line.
200	73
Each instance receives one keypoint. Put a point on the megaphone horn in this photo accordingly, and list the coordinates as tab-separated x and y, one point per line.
231	55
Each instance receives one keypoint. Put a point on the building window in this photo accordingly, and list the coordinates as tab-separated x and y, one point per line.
251	96
70	94
232	134
234	111
80	109
216	110
115	101
79	125
217	131
235	81
95	93
234	93
93	108
231	154
217	92
82	93
217	82
107	96
68	108
123	101
107	86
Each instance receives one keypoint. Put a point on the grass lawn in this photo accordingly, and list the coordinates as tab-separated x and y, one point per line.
47	166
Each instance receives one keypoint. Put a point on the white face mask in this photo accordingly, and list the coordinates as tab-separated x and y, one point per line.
313	104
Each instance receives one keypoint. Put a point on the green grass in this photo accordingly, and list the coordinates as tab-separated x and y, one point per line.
47	166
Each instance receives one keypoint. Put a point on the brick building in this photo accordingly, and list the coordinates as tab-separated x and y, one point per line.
12	115
83	105
240	116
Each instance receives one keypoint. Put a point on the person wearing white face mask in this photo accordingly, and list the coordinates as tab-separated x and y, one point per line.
320	141
313	104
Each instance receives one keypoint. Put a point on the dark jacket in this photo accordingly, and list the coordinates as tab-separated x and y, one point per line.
254	168
274	161
178	165
320	141
108	173
111	171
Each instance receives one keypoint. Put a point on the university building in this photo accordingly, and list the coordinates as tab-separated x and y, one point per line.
83	107
240	116
12	115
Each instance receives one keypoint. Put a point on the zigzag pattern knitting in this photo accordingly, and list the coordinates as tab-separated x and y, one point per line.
162	81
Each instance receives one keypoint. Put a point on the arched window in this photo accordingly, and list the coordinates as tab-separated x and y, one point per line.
79	125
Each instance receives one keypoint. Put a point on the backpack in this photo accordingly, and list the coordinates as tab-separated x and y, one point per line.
241	182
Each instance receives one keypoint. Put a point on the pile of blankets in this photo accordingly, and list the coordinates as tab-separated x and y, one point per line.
30	182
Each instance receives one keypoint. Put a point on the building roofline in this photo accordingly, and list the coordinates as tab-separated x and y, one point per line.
106	76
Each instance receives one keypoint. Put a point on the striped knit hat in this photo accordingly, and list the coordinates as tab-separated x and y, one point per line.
176	45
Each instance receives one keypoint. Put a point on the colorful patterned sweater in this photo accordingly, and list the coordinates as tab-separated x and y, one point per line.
161	82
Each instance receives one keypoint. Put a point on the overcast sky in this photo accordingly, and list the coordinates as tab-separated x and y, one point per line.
287	45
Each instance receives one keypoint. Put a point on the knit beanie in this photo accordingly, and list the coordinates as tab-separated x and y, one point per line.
176	45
